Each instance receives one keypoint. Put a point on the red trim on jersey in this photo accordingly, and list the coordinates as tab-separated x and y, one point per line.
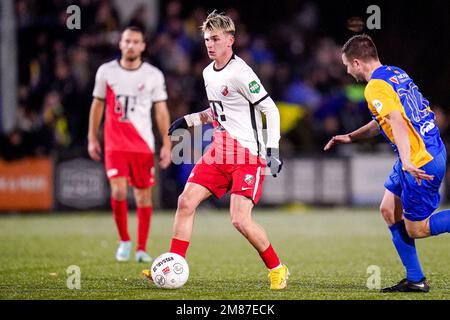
121	135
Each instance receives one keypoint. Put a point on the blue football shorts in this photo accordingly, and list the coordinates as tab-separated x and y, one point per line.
418	202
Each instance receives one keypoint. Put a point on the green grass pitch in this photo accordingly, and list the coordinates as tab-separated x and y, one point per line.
327	251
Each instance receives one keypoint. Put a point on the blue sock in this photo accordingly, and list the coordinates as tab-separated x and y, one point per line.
440	222
406	249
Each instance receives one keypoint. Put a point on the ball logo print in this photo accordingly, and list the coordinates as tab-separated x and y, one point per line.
170	271
160	280
178	268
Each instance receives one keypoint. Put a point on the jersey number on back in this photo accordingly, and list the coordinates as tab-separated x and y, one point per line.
417	104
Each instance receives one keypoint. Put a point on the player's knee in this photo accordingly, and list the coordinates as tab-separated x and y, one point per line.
237	224
240	224
143	199
388	214
144	202
119	194
186	204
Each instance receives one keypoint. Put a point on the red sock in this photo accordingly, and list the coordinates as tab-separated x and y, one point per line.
270	258
120	212
179	246
144	217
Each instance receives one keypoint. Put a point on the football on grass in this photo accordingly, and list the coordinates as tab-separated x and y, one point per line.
170	271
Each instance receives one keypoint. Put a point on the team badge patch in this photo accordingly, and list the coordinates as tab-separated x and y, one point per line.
254	87
377	105
249	179
141	87
224	90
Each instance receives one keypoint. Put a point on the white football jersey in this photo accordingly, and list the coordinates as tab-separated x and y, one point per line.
129	96
234	93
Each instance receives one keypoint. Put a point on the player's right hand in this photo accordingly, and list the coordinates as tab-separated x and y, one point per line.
417	173
180	123
274	161
340	139
94	149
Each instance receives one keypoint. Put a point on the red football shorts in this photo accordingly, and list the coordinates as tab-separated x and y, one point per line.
137	167
243	179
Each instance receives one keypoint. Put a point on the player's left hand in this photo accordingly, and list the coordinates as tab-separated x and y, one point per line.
165	156
274	161
417	173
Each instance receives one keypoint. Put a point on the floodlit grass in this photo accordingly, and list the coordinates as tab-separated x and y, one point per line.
327	251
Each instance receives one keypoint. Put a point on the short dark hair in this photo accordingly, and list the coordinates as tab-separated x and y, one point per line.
134	29
360	47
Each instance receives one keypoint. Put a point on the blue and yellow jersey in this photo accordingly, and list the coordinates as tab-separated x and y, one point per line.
389	89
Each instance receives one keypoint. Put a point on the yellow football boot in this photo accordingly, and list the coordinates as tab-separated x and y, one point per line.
278	278
147	273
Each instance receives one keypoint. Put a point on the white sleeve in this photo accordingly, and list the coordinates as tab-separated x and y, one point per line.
269	108
249	85
100	84
159	92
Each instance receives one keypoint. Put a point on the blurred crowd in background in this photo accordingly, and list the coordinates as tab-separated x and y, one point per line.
300	68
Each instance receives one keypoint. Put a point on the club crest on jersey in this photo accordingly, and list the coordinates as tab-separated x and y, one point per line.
224	90
249	179
141	86
254	87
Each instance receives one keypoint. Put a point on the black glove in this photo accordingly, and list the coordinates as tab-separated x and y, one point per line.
180	123
274	161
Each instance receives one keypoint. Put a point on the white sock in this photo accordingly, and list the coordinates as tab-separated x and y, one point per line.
279	266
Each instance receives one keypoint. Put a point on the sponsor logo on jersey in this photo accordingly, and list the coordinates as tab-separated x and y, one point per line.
427	127
249	179
224	90
394	79
254	87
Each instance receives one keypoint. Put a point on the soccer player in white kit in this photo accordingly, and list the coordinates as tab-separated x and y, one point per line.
237	160
130	88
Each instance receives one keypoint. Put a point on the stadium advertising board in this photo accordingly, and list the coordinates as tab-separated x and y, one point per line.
26	185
